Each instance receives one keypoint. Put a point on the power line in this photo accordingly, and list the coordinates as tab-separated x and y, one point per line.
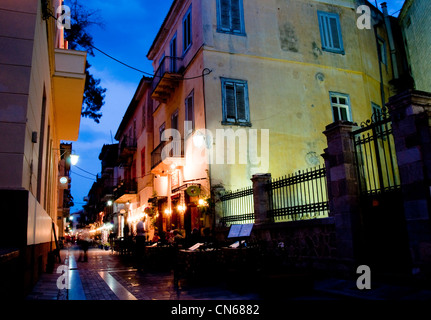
49	14
85	171
83	176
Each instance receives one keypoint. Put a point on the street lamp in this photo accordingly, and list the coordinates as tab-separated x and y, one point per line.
72	156
74	159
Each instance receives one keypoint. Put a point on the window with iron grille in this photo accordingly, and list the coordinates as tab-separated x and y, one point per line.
230	17
235	102
330	32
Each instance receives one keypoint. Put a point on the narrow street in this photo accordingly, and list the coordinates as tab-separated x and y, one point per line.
109	276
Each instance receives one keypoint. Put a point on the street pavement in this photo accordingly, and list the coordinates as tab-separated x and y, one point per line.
109	276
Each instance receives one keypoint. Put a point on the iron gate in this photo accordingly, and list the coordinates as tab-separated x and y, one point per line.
383	229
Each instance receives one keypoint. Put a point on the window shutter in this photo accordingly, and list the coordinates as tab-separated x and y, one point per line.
225	14
230	102
324	31
240	103
334	33
330	32
143	162
189	114
235	15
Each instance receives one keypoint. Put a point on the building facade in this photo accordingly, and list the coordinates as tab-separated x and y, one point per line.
40	106
251	85
414	20
134	180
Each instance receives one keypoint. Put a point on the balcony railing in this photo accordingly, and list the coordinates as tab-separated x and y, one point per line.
166	77
128	147
125	187
177	151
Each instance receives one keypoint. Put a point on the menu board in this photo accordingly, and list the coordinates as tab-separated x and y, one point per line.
240	230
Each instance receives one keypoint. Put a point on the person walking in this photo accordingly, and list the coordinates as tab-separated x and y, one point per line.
140	243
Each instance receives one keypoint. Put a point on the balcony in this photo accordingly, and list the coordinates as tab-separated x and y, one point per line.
162	160
166	78
126	191
128	147
68	83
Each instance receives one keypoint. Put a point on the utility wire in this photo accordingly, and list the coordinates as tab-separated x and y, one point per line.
49	14
85	171
82	176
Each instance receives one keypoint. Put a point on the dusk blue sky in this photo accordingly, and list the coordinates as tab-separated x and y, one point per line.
129	28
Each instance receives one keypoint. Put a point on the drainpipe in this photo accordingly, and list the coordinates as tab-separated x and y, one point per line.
391	40
382	89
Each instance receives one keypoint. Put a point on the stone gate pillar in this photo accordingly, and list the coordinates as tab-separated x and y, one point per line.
411	122
261	197
343	189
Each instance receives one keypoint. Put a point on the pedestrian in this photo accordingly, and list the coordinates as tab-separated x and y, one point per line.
140	243
84	243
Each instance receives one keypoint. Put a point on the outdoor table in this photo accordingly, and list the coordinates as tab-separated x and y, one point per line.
159	257
198	263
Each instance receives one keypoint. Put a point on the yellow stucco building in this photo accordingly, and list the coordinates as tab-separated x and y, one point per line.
275	72
41	92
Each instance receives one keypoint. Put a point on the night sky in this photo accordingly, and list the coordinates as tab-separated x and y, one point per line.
128	28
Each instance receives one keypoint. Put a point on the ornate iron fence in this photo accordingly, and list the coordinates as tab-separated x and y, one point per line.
375	155
238	207
298	196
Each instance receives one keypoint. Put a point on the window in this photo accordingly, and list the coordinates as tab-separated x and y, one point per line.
340	104
144	116
235	102
174	120
377	115
143	162
382	51
330	32
376	111
161	129
173	53
187	30
190	117
162	68
230	17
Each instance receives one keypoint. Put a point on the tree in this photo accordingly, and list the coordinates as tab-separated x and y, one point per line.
79	38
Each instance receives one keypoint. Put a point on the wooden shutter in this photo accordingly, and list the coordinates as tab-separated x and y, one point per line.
225	14
189	113
235	16
230	102
330	31
143	162
324	31
336	44
240	103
